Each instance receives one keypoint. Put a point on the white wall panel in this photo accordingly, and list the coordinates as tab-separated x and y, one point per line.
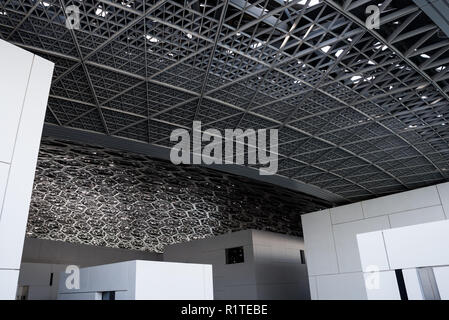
372	251
313	288
174	281
419	198
412	217
412	284
443	190
110	277
418	246
15	65
143	280
345	235
347	213
415	248
8	284
20	183
344	286
319	243
387	289
4	169
442	279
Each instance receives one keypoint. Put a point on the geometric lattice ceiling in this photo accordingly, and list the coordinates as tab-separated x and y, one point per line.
360	112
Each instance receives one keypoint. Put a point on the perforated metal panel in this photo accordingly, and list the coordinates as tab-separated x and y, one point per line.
105	197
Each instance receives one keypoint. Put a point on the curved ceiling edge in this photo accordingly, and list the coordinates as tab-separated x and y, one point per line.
161	152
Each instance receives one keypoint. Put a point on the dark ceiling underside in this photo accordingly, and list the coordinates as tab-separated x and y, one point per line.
360	112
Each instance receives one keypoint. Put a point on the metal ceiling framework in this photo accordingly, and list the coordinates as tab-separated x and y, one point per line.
360	112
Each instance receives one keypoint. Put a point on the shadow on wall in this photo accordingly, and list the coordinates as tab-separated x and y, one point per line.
103	197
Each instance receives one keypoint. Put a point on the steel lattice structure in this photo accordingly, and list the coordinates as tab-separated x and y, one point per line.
360	112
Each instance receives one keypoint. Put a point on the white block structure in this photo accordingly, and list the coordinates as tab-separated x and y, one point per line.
24	87
406	248
330	236
272	268
141	280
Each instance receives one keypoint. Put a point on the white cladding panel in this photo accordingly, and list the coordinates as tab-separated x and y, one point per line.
319	243
23	166
347	213
345	235
343	286
414	199
372	251
385	289
15	66
417	216
418	246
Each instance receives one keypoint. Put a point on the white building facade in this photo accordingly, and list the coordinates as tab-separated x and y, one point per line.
332	251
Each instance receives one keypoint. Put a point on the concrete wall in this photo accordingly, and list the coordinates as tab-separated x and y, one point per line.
272	268
278	268
41	280
142	280
333	259
24	86
83	255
